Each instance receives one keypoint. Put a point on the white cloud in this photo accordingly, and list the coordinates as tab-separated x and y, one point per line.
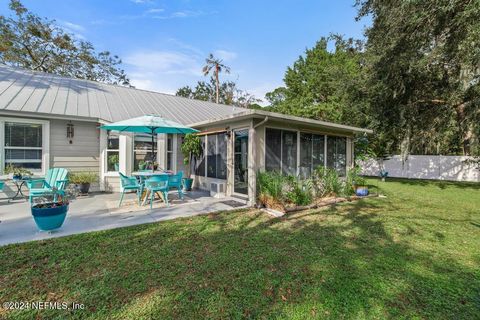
142	1
183	14
260	91
155	10
167	62
163	70
73	28
225	55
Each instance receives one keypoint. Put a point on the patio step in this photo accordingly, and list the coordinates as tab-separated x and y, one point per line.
242	198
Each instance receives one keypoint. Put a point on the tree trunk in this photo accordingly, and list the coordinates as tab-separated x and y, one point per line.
465	131
218	84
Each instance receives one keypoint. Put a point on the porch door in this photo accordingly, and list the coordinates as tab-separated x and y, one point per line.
240	180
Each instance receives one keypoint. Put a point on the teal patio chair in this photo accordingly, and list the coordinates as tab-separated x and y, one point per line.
175	181
2	185
56	178
157	184
130	184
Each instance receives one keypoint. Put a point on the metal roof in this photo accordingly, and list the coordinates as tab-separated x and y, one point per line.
43	94
46	94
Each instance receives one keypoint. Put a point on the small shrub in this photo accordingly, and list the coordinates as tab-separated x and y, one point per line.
326	182
277	191
82	177
301	194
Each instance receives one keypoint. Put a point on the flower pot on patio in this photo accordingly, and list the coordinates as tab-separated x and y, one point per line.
361	191
187	184
49	216
83	180
84	187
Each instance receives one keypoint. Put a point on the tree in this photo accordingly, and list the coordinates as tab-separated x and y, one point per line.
424	74
212	63
228	94
31	42
324	84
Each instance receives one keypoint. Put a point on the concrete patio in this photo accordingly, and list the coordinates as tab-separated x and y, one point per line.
100	212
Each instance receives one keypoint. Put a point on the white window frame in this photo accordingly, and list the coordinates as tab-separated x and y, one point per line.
173	151
325	134
112	150
132	164
45	142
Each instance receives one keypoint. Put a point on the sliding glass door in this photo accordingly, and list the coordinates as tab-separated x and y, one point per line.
240	180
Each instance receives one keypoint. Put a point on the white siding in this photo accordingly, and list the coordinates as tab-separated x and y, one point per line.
83	154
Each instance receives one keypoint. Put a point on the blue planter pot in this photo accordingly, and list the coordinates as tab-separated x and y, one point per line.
361	191
187	184
49	218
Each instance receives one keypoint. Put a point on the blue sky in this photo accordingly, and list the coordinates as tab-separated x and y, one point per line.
164	43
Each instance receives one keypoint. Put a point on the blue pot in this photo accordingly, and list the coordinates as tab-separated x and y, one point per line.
49	218
361	191
187	184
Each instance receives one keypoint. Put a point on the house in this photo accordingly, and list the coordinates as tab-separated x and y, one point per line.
52	121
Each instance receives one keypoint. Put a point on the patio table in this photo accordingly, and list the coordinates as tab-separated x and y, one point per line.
19	183
143	175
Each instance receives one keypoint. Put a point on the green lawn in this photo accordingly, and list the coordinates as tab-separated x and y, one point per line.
414	254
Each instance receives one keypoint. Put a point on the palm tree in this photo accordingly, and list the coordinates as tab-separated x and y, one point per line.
215	64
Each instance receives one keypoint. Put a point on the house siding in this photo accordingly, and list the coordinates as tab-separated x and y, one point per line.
83	154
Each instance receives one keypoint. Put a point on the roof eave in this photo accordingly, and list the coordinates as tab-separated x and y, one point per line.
252	113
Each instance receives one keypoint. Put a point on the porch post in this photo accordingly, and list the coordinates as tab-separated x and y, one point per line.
350	153
161	150
125	150
103	158
252	165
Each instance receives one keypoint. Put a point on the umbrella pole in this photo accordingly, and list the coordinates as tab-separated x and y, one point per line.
153	151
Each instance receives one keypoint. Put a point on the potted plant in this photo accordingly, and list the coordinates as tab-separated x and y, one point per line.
360	186
51	215
142	165
17	173
83	180
113	160
191	149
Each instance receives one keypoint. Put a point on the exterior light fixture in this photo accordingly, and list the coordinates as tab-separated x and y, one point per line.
70	131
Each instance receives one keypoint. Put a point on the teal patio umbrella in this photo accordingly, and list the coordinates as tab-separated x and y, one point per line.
150	124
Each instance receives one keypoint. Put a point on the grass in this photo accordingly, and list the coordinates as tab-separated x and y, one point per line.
414	254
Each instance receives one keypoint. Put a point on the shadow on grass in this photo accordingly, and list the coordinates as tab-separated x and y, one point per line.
335	263
441	184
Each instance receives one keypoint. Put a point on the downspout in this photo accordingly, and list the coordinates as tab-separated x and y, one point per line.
261	122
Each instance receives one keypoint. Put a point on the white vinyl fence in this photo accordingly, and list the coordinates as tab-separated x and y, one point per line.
451	168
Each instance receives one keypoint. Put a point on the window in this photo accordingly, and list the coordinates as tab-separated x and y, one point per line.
211	156
199	163
289	152
23	145
143	159
222	156
170	151
273	150
312	153
112	151
337	154
281	151
217	156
